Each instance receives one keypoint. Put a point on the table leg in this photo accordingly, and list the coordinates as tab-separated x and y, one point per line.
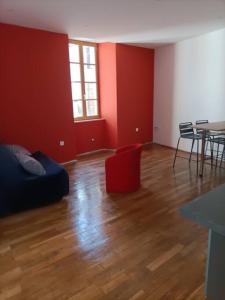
202	153
215	271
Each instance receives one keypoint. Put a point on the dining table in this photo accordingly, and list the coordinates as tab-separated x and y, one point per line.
215	127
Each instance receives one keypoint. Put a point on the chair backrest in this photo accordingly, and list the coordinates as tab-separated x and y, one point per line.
186	128
199	122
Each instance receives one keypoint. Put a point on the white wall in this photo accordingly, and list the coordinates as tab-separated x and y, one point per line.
189	85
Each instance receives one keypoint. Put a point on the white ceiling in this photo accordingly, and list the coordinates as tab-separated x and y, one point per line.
145	23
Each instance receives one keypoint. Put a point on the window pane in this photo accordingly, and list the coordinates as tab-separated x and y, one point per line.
75	72
89	54
77	109
74	53
92	108
90	91
89	73
76	91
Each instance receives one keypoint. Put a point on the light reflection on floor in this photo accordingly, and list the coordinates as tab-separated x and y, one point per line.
88	219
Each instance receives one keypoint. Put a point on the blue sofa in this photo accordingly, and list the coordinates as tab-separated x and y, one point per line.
20	190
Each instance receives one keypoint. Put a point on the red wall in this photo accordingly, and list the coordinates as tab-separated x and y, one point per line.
108	91
35	91
126	90
135	78
36	106
86	131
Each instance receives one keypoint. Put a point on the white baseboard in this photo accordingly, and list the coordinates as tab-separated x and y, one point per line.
95	151
106	149
69	162
147	143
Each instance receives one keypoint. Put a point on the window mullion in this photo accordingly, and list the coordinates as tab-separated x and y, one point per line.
82	81
96	74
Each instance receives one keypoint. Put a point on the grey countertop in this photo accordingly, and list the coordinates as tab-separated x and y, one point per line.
208	210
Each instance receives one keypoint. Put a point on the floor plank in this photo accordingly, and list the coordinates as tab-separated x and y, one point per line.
93	245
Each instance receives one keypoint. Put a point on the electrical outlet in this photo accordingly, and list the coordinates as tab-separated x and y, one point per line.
137	129
61	143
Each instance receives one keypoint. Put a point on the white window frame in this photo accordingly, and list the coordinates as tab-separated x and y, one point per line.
81	63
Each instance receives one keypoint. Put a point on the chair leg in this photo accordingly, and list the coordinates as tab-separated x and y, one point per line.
217	154
175	157
211	149
197	154
222	155
206	147
192	146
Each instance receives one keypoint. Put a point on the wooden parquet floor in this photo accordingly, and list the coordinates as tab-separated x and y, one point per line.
97	246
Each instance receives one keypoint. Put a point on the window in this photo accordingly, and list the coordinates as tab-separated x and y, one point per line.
83	72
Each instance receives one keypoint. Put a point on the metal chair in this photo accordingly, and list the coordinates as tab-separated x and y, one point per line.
214	138
222	156
220	141
209	137
199	122
187	132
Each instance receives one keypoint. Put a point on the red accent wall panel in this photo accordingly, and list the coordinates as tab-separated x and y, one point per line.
126	76
108	91
36	106
35	94
90	135
135	78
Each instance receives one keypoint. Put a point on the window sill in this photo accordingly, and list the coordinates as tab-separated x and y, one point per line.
89	120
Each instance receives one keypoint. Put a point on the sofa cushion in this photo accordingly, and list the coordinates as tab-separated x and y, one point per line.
17	149
20	190
30	164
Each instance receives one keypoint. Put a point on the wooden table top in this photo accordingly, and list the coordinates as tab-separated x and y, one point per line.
214	126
